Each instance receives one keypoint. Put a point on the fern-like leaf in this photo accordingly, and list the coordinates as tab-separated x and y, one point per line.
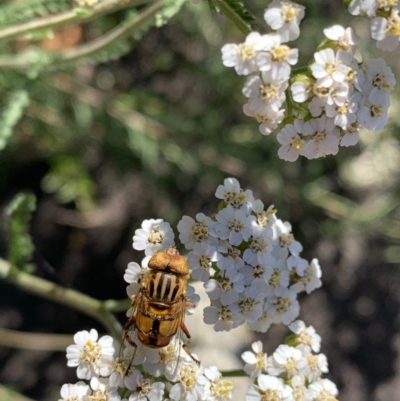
115	49
236	12
11	115
20	243
26	10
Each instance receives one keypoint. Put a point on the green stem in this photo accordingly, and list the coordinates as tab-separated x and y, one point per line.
113	305
6	394
232	15
233	373
54	21
289	102
34	341
65	296
299	70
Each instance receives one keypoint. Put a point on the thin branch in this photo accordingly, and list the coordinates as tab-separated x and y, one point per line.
233	16
65	296
113	305
120	32
6	394
34	341
74	15
233	373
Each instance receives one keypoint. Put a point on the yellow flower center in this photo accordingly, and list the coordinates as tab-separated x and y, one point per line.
200	231
155	236
290	11
270	395
246	51
280	53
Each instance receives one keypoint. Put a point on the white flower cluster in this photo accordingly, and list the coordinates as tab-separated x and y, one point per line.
333	99
267	61
110	376
251	267
340	96
249	262
385	20
293	372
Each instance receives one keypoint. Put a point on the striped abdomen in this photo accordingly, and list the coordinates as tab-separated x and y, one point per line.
165	287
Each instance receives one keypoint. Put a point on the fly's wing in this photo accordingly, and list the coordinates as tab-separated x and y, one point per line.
177	341
129	336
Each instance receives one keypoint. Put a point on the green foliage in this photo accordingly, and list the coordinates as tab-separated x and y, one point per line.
70	182
110	43
236	11
11	115
17	12
169	9
20	243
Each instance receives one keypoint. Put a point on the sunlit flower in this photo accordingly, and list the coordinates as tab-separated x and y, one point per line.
144	389
284	17
269	389
74	392
91	357
256	362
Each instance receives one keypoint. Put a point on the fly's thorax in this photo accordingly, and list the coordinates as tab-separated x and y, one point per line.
164	287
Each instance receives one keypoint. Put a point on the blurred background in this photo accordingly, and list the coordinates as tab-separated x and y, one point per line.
151	135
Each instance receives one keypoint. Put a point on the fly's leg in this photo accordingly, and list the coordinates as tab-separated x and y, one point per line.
129	325
185	346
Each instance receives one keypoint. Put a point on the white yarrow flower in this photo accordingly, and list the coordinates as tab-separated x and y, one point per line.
345	37
286	360
291	140
227	286
102	391
153	236
192	385
200	231
234	225
321	390
133	273
306	335
374	116
284	305
269	388
233	195
331	67
310	280
223	317
379	80
144	389
256	362
220	389
284	17
91	356
315	366
243	56
263	323
386	30
323	137
74	392
200	260
277	57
